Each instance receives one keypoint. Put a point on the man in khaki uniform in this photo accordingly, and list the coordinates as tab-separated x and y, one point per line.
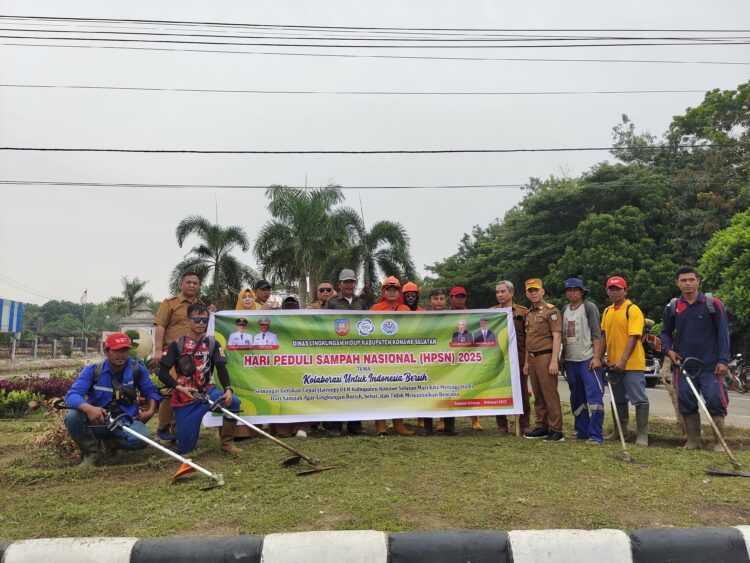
504	292
543	323
170	323
325	292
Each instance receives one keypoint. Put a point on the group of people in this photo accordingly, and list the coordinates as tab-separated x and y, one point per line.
577	341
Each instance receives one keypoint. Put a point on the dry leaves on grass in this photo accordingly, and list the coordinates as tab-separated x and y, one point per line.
54	437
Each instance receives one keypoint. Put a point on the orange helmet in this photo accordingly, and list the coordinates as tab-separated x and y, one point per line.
410	286
391	281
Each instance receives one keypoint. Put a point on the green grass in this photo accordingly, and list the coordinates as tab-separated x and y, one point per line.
473	481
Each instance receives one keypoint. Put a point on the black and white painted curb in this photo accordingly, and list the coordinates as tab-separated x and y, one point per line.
700	545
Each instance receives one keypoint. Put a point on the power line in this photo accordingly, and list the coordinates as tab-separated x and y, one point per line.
318	27
337	46
350	152
353	92
246	187
25	288
390	57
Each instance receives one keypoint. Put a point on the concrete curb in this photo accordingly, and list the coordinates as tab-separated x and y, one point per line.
728	545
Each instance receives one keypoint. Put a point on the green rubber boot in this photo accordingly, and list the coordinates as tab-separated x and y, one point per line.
693	431
719	421
641	422
89	448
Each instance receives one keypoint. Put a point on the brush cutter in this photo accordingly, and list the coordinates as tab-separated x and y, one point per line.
122	421
610	376
216	406
691	368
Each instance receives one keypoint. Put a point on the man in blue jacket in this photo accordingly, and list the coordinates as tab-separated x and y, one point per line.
695	325
109	386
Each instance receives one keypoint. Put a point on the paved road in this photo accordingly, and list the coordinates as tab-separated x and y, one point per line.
661	405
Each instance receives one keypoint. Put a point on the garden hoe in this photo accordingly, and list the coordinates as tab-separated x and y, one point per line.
292	460
122	420
692	367
610	376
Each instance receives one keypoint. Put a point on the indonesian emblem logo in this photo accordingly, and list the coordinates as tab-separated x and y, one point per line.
389	327
365	327
341	326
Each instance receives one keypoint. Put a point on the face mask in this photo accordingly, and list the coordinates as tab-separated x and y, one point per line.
410	298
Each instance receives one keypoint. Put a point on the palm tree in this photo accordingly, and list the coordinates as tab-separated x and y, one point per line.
381	251
132	295
212	257
297	244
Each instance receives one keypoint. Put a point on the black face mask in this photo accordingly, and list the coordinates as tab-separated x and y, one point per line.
410	299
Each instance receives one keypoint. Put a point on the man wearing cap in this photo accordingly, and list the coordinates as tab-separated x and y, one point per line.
170	323
263	299
325	292
543	324
695	325
109	386
346	301
622	330
241	337
265	337
458	303
504	292
582	350
390	300
410	294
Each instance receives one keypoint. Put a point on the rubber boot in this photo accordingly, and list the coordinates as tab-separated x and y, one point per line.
89	448
502	425
227	438
641	422
475	425
420	422
693	431
380	428
441	425
719	421
450	426
427	425
398	426
622	412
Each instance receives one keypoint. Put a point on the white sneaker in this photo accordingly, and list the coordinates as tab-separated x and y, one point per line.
301	434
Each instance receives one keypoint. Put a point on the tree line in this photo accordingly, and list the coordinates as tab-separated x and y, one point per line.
681	199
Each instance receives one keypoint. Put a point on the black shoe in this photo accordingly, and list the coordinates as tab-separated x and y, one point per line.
536	434
555	436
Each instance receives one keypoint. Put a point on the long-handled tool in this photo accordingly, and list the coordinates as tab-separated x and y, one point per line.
121	421
692	367
609	377
293	460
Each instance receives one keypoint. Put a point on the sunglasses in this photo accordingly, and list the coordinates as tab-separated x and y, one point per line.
325	290
199	320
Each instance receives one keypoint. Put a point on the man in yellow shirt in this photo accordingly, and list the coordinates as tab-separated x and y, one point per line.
622	330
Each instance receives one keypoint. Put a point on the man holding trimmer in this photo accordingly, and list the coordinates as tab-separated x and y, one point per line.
695	325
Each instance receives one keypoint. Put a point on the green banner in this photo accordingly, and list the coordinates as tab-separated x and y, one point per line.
315	365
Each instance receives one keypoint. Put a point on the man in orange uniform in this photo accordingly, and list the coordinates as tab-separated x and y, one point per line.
390	300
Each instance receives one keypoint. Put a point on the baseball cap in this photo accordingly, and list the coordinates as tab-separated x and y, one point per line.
241	321
290	302
117	341
347	275
458	290
572	283
533	283
391	281
261	284
617	281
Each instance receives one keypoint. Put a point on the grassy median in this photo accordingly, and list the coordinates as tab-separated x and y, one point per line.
472	481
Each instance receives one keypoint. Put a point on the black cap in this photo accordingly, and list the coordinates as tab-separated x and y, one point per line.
261	284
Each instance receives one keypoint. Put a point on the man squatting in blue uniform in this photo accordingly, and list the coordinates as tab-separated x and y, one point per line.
699	325
111	389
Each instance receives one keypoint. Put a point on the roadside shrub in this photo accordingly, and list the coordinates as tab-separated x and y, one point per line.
14	404
47	387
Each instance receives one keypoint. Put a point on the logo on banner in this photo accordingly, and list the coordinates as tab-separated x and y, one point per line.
389	327
365	327
341	326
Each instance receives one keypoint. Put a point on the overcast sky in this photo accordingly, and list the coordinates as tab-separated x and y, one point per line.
57	241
